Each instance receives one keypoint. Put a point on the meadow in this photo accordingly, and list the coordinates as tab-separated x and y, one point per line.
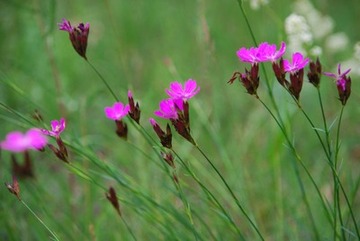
264	166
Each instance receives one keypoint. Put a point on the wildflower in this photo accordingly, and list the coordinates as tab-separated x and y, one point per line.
177	112
19	142
177	91
296	70
78	35
298	63
111	196
268	52
56	128
168	108
343	84
134	109
14	187
249	55
298	32
314	74
165	138
116	113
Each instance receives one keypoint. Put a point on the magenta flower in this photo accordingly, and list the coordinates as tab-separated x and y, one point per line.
177	91
298	63
343	84
19	142
340	78
249	55
267	52
117	111
168	108
78	35
56	128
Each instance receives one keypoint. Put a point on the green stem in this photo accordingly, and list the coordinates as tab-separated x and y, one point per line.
329	154
39	219
103	80
240	2
207	191
334	171
187	208
128	228
336	181
302	189
231	193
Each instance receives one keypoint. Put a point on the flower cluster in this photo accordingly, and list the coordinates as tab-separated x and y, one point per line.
176	109
266	52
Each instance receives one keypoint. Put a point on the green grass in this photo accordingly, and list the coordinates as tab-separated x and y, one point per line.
143	46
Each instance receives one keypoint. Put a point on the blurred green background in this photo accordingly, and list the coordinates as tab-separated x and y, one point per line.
142	46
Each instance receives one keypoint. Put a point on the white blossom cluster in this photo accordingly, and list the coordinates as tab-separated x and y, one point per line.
307	25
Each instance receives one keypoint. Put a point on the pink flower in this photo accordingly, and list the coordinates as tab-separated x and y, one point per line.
168	108
19	142
343	84
56	128
117	111
340	78
267	52
298	63
249	55
177	91
78	35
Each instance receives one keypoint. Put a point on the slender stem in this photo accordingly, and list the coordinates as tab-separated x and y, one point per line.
240	2
207	191
39	219
103	80
336	181
187	208
327	132
302	189
335	172
231	192
329	154
128	228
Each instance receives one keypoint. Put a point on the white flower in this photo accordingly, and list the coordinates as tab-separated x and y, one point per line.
337	42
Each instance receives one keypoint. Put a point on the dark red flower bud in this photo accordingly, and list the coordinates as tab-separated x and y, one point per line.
121	129
279	72
296	79
165	138
314	75
169	159
111	196
14	187
134	108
